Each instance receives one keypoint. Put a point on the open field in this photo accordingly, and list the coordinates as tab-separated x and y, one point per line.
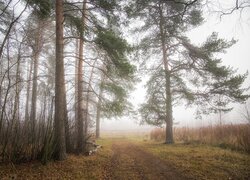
130	157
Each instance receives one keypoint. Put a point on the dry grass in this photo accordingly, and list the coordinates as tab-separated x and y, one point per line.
75	167
192	161
199	161
236	137
158	134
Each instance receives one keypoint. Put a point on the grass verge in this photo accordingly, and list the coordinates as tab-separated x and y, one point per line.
202	161
75	167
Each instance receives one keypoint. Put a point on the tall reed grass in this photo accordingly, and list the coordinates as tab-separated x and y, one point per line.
236	137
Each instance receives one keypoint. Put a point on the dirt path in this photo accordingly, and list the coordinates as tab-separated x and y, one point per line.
130	161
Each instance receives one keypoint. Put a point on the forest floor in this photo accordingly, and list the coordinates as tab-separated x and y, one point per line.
134	158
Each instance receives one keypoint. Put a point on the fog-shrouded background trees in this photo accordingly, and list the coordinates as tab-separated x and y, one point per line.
66	64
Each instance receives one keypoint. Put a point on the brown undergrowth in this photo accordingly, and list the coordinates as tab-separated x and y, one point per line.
74	167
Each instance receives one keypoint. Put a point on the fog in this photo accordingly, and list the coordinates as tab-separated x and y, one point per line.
237	26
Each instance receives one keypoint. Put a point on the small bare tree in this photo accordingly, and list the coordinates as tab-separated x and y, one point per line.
245	113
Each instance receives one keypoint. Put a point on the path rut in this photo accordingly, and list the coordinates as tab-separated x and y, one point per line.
130	161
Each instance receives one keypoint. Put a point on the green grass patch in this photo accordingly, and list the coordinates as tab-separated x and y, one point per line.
202	161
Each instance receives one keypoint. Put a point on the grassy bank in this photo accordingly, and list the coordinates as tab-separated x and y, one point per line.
203	161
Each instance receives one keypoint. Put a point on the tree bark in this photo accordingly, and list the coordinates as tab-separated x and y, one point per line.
26	116
15	117
34	98
98	110
86	118
66	122
169	115
98	115
80	103
60	144
17	89
76	80
37	47
76	85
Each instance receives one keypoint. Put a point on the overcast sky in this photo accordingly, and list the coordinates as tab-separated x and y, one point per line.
237	26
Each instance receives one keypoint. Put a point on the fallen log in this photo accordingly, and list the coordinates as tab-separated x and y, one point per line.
92	147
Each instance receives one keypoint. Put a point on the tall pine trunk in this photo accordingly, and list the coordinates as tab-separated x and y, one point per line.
15	127
80	102
60	144
66	123
36	53
86	118
169	115
26	116
32	130
98	110
76	80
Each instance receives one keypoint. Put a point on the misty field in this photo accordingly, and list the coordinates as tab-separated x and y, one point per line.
131	155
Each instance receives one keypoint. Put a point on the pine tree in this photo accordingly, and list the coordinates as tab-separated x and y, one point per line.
183	71
93	25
